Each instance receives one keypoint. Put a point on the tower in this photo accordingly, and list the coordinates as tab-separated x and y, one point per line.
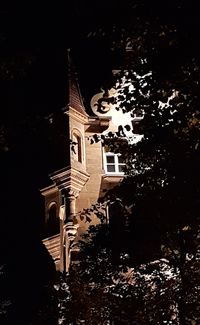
67	182
86	169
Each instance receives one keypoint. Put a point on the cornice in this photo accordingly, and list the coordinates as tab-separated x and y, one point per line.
72	112
48	190
70	179
98	124
113	178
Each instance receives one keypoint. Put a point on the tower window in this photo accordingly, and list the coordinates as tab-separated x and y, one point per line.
77	153
53	223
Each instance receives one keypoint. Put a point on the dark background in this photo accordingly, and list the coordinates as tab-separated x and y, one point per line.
34	39
43	32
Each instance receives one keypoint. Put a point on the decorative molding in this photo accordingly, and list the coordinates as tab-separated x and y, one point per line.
70	179
62	212
52	203
71	194
104	102
98	124
75	114
113	178
71	231
48	190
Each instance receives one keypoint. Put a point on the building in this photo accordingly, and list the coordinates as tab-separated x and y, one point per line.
87	169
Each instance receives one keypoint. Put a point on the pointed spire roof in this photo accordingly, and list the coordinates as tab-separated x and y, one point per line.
74	95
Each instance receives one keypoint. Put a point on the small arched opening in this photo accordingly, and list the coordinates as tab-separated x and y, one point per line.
53	222
77	152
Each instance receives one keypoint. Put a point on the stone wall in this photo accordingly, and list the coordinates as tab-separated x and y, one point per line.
92	189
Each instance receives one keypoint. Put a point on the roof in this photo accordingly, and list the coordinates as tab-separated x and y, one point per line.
74	95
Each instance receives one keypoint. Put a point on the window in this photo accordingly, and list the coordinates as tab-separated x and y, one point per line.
53	222
77	153
114	163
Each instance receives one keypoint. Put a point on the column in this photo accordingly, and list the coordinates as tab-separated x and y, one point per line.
70	206
69	230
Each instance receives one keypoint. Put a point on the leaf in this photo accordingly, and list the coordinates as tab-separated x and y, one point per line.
96	138
186	228
88	219
110	134
127	127
82	217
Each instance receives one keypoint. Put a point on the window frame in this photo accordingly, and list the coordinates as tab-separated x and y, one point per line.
53	220
78	155
116	163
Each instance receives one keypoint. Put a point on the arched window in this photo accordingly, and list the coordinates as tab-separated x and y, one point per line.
77	151
53	222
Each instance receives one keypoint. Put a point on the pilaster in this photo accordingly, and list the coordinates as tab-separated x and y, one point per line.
70	182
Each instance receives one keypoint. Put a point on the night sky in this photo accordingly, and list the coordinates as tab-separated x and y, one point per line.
43	32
